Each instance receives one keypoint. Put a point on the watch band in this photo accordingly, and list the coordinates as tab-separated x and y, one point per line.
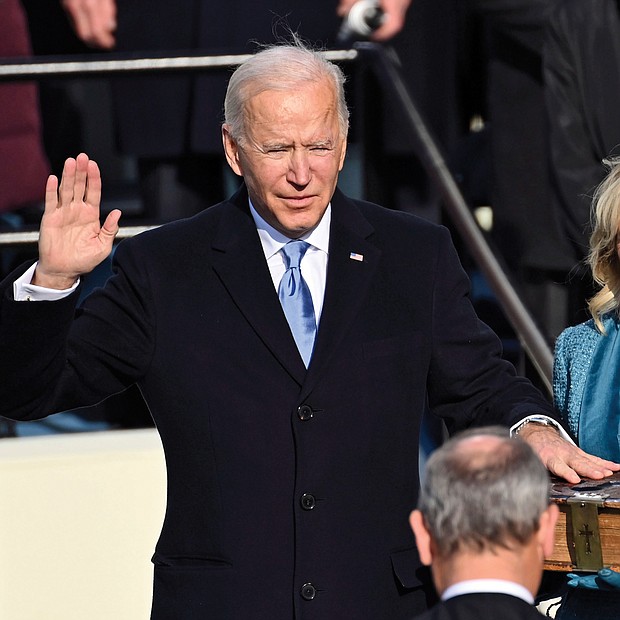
541	420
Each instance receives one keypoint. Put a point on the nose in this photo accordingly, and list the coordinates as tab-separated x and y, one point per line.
299	168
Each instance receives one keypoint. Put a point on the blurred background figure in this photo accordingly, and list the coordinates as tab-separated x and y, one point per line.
524	229
474	69
23	164
582	90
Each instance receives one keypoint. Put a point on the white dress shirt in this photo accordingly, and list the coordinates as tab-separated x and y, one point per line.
313	265
494	586
24	291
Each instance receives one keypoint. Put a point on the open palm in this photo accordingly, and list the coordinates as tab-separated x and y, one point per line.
72	241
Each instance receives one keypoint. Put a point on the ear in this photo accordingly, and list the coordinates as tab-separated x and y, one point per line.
546	530
342	155
422	537
231	150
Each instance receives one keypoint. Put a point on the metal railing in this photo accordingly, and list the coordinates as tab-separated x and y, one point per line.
22	69
380	59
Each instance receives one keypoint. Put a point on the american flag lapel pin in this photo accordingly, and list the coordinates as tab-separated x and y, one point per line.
356	256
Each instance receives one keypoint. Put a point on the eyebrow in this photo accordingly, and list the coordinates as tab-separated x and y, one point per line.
327	142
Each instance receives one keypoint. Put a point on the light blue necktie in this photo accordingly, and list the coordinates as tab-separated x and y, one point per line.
296	300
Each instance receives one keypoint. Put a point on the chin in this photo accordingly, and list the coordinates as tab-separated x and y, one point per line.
295	227
295	233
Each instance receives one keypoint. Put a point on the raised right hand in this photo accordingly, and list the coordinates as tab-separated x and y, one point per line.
71	241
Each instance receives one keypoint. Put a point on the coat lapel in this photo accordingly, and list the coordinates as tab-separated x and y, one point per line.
348	281
239	261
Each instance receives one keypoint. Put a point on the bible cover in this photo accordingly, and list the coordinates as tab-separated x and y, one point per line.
587	535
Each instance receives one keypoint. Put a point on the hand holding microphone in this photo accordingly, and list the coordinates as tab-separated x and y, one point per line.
363	18
378	20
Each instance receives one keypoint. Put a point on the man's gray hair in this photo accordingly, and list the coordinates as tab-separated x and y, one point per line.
480	500
280	67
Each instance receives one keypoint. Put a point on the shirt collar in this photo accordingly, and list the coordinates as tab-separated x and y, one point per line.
273	240
496	586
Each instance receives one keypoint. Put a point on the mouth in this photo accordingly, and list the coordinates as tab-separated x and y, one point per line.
298	199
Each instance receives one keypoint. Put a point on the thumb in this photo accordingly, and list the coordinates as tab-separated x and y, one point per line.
110	226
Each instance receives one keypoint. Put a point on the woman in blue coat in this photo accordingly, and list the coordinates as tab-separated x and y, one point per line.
587	356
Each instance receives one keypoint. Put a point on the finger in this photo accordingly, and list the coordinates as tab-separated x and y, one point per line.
103	35
582	465
80	22
93	23
560	469
611	465
92	195
51	192
344	6
592	471
104	39
83	23
586	464
65	192
395	12
81	176
593	467
110	226
104	24
392	25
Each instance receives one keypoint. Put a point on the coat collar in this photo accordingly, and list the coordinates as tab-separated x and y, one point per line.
239	262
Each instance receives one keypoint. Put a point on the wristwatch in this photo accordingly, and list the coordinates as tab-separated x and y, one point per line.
541	420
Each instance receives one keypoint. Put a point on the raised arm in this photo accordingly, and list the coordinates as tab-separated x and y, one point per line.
72	241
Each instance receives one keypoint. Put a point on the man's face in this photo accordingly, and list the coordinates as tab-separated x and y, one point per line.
291	156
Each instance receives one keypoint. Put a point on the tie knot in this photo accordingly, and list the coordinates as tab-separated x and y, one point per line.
293	252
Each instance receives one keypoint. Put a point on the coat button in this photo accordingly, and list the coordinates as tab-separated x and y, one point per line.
304	412
308	591
308	502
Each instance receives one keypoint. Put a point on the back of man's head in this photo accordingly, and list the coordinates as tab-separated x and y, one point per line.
483	490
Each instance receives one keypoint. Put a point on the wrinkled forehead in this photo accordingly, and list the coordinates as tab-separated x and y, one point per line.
310	111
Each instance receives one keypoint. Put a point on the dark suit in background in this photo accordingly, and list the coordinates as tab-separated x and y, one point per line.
582	89
469	59
526	230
